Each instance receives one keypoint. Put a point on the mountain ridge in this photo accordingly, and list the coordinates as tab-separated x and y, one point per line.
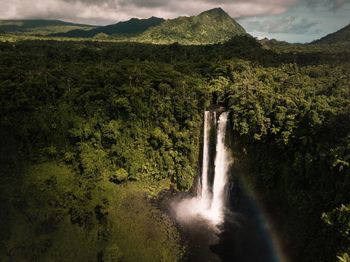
208	27
40	26
340	36
130	27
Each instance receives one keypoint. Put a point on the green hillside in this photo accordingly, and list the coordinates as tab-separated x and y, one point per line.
39	26
130	27
341	36
212	26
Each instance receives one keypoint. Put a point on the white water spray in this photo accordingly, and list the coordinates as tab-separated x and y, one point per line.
204	189
210	204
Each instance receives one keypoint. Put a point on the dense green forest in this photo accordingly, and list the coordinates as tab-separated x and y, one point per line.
91	131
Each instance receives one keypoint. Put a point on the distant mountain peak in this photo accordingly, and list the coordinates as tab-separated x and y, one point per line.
216	11
211	26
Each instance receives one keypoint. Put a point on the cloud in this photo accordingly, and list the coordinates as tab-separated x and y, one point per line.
280	24
326	4
144	4
292	20
106	11
236	8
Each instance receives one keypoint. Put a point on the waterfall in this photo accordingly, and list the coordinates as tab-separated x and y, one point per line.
222	163
204	186
211	196
204	218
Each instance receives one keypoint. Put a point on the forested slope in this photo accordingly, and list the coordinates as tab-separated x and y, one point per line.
88	128
77	123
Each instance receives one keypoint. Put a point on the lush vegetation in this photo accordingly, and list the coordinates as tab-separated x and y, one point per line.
89	127
292	130
213	26
78	127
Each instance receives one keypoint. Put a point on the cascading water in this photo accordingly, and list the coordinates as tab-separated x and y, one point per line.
209	203
222	164
203	188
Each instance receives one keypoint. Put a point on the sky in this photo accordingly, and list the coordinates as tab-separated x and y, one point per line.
288	20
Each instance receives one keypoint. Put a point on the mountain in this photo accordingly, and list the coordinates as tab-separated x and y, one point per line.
209	27
131	27
341	36
212	26
39	26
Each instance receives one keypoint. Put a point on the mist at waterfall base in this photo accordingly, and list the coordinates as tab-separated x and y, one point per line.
220	220
209	204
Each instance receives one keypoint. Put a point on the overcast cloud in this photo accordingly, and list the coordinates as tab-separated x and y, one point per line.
106	11
259	17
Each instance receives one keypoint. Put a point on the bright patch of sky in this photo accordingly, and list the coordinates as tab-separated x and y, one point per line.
300	24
